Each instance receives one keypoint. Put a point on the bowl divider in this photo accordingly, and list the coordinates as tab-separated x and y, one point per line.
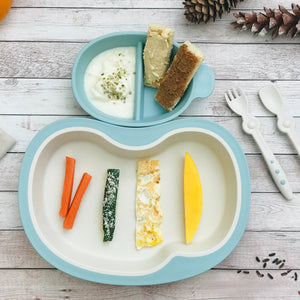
139	83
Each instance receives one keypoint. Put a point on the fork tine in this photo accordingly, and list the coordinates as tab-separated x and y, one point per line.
230	94
235	92
227	98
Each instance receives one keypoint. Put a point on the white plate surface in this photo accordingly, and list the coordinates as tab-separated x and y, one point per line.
95	153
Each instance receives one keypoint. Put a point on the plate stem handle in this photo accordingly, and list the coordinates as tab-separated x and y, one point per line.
203	82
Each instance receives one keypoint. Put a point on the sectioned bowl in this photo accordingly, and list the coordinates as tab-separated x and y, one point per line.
147	111
97	146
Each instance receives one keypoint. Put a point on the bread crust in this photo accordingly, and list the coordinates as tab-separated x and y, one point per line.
183	68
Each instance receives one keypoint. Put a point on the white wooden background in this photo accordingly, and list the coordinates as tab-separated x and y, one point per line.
39	41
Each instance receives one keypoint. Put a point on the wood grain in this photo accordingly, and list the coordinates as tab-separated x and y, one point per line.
55	97
17	252
55	60
215	284
9	211
254	4
39	40
10	166
216	105
38	96
261	181
49	60
268	212
24	128
83	25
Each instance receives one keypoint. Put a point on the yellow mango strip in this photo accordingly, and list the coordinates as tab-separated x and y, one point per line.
192	198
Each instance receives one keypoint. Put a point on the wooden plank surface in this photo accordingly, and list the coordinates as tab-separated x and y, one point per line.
215	284
39	41
25	127
83	25
269	213
172	4
55	97
55	60
261	181
17	252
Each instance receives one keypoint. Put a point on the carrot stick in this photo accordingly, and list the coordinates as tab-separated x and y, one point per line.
69	220
68	186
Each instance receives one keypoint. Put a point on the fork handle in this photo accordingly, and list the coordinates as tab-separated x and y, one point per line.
274	167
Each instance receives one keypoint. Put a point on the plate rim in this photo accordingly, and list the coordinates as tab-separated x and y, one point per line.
97	114
188	266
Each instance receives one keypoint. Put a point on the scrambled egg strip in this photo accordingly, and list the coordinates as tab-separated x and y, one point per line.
148	210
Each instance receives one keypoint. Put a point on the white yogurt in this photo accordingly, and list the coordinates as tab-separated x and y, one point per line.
110	81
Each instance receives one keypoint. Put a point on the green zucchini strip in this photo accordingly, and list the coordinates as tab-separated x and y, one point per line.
109	203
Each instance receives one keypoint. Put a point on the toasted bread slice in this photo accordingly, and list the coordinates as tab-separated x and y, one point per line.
157	51
184	66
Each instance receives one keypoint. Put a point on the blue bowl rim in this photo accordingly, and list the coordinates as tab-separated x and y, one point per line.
179	267
97	114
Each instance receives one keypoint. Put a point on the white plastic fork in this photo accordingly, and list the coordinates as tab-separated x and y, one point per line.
237	101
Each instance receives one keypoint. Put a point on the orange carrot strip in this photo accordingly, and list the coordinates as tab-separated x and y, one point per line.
68	186
69	220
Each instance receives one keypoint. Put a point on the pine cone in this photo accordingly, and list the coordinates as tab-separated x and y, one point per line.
274	21
197	11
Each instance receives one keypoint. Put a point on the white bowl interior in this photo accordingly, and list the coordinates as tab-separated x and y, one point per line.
83	245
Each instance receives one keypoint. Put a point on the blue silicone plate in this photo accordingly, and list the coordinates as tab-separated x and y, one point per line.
147	111
97	146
